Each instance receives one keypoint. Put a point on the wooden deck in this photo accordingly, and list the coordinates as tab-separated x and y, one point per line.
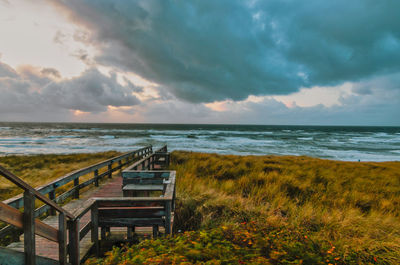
97	206
49	249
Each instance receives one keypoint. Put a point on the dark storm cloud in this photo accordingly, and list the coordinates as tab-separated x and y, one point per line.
31	90
203	51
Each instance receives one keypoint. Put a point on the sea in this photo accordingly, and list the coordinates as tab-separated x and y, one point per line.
329	142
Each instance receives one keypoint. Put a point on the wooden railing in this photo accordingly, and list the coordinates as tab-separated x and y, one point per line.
68	222
120	212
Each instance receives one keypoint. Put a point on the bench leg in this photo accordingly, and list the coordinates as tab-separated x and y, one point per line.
131	230
103	232
155	231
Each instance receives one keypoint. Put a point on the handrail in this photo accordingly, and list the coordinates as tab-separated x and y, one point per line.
32	226
17	200
25	186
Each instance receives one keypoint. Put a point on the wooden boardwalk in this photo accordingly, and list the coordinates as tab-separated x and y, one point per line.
72	231
49	249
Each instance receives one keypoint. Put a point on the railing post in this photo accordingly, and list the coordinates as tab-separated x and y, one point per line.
52	196
95	228
96	177
73	231
76	184
29	228
110	170
168	217
62	241
120	166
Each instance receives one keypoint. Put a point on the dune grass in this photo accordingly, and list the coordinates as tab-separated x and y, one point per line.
277	210
258	209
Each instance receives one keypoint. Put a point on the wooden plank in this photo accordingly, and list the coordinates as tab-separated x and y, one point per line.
29	228
95	229
139	162
14	217
136	187
145	174
22	184
73	246
76	187
140	181
52	196
86	183
85	229
109	170
69	193
148	212
128	222
168	226
62	243
96	178
84	208
169	190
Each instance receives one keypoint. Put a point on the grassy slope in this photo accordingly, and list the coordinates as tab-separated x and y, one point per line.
277	210
353	205
38	170
260	210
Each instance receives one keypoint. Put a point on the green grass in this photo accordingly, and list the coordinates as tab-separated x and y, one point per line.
302	210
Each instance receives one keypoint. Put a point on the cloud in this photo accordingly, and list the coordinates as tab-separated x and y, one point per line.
41	91
202	51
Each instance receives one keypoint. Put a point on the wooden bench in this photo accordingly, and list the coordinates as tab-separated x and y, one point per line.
135	212
135	190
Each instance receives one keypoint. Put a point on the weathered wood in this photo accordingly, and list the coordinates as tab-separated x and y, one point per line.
132	212
85	230
95	229
145	174
120	165
136	187
86	183
127	222
109	167
168	208
52	196
29	228
68	194
62	239
14	217
135	190
130	201
155	231
84	208
73	246
76	186
131	230
103	233
96	178
22	184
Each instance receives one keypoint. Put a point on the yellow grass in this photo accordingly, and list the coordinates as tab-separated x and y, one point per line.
354	205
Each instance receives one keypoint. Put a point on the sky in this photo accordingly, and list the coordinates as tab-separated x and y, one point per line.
201	61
